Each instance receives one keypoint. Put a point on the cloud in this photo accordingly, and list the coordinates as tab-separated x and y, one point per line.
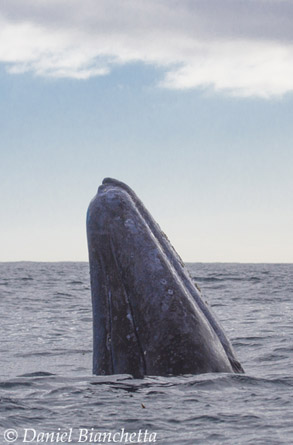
244	48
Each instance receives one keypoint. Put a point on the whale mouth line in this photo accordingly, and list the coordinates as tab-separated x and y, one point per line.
130	316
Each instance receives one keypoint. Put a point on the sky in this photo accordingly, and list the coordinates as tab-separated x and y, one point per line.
190	102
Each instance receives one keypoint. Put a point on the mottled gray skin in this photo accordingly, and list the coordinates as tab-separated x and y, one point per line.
148	317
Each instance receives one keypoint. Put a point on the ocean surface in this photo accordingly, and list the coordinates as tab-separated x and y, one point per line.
49	395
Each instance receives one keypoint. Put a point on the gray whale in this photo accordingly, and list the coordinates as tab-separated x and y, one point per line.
148	316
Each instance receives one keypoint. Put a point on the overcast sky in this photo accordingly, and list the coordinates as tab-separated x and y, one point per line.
188	101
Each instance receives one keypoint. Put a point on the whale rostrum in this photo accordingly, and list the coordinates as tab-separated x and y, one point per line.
149	318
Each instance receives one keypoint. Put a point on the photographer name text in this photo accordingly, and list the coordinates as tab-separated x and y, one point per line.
80	435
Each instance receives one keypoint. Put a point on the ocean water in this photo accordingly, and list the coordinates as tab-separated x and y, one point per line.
48	393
